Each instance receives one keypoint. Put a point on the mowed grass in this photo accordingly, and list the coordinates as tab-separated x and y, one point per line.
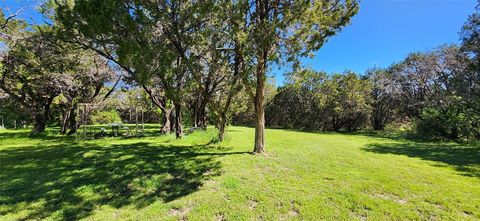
303	176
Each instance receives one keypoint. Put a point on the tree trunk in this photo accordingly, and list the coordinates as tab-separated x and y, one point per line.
178	121
259	106
65	120
378	123
172	121
201	117
223	114
73	120
194	115
41	119
166	124
259	123
221	130
40	124
238	67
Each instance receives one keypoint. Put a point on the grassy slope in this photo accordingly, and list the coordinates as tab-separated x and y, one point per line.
304	176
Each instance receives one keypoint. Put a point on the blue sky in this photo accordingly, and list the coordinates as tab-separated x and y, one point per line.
385	31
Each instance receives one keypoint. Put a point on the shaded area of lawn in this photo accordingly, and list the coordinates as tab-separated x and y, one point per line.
93	132
68	180
464	158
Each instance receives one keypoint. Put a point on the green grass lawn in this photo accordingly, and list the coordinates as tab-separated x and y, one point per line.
304	176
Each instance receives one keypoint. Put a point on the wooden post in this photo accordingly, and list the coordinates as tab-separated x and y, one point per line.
130	118
136	121
83	121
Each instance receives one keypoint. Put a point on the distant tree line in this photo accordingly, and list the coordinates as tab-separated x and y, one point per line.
319	101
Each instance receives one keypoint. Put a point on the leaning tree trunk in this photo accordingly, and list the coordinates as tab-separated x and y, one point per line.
222	124
231	93
259	107
223	114
166	124
70	112
65	120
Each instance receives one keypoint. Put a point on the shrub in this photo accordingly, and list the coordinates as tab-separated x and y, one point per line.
452	122
106	117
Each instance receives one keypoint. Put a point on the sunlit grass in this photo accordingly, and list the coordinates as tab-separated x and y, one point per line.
303	176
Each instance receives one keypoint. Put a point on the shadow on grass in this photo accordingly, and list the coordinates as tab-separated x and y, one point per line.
69	181
94	133
464	158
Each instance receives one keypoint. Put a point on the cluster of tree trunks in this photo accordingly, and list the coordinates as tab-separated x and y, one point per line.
69	119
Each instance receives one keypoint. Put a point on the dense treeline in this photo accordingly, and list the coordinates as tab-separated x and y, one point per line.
318	101
436	91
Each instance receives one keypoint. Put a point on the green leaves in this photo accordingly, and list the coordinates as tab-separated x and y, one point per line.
317	100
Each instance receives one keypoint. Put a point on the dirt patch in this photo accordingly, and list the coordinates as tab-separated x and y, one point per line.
467	213
390	197
252	204
116	214
292	212
359	215
294	209
362	217
219	217
180	212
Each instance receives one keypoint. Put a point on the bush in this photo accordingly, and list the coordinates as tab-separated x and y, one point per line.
452	122
106	117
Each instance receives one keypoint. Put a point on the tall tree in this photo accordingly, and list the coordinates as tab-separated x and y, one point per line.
286	29
470	37
384	100
414	81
